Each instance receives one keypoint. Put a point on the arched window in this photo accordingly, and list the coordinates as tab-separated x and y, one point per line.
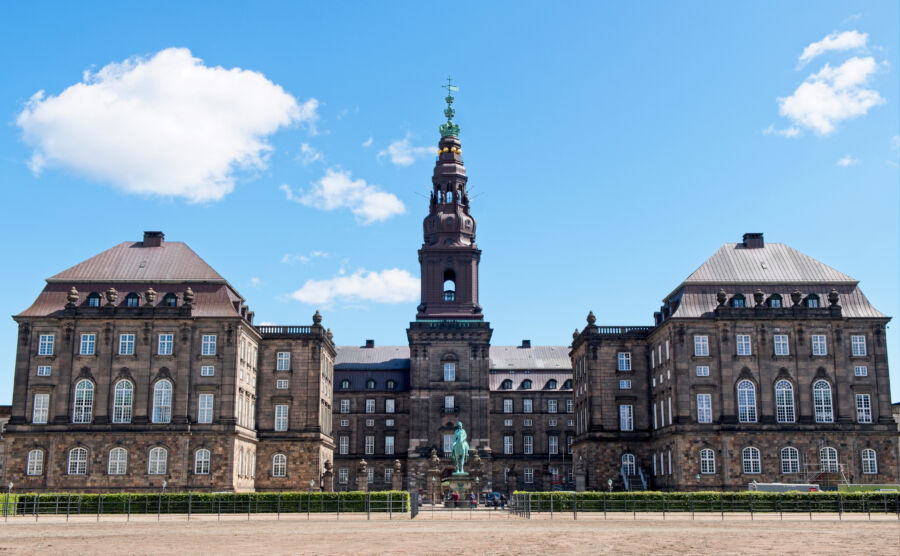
628	467
77	461
790	460
707	462
567	385
93	299
775	301
551	384
132	300
84	402
391	385
746	402
750	458
812	300
123	398
201	462
869	462
158	459
345	384
828	460
35	463
738	301
279	465
784	402
162	402
822	402
449	285
170	300
118	461
506	385
370	384
526	384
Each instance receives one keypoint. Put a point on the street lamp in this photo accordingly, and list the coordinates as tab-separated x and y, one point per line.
6	506
164	486
312	483
609	484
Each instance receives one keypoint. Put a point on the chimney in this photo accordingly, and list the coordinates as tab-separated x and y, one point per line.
153	239
526	344
370	344
754	241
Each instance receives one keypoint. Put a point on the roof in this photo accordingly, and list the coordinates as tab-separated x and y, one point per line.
358	379
130	261
502	357
374	358
539	380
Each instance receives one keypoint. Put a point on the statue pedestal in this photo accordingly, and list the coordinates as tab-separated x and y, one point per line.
464	484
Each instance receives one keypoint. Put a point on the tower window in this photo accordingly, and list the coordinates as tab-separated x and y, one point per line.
449	285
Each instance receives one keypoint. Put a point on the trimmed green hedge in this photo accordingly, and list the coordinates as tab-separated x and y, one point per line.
744	501
208	503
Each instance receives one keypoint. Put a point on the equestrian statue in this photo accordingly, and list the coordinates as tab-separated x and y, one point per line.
460	449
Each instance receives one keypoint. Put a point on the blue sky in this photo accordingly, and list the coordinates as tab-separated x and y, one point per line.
611	148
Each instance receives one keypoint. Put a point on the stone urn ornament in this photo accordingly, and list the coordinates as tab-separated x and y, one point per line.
721	297
796	296
111	296
72	297
834	297
759	296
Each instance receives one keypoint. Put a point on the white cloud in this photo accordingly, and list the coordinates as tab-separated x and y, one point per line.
368	142
403	153
848	160
832	95
895	142
291	258
166	125
792	131
854	17
847	40
336	189
255	282
309	154
388	286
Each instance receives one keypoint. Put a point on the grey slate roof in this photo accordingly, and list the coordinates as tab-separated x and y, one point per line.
538	379
130	261
548	358
375	358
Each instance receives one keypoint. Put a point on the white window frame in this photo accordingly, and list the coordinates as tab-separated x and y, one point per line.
751	462
83	409
162	401
553	444
528	444
570	405
507	422
207	370
507	406
784	402
283	361
158	461
702	370
626	417
370	406
41	411
858	345
279	465
782	346
707	462
389	422
828	460
743	344
819	345
123	402
388	445
869	462
704	408
823	402
281	417
624	384
77	464
552	406
117	461
527	405
528	475
345	406
450	371
701	345
790	460
448	444
205	403
370	475
344	445
863	408
45	344
208	344
746	395
624	361
343	476
449	402
282	384
88	345
370	445
44	370
165	344
35	464
126	344
388	475
860	370
201	461
390	405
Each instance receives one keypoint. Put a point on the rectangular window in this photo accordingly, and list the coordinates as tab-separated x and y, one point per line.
449	372
88	343
345	406
41	409
529	444
126	344
568	444
527	423
554	444
283	361
370	445
667	350
370	406
205	409
165	344
448	444
551	422
863	408
552	406
208	344
704	408
281	418
819	347
45	344
529	475
344	445
370	475
624	361
701	346
507	422
343	475
389	422
654	414
781	345
652	358
743	344
624	385
858	345
389	445
702	370
527	406
507	406
449	402
281	384
626	418
389	406
570	406
345	422
43	370
388	475
860	370
207	370
370	422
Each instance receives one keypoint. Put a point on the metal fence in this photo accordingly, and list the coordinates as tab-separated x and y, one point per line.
570	504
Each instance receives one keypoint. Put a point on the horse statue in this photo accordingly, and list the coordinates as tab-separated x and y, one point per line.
460	448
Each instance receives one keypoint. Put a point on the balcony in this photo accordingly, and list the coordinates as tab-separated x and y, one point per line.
454	409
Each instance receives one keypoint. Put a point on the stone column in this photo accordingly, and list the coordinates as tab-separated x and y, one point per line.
362	476
328	477
397	476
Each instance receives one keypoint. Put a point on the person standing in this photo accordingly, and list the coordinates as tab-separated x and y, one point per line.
502	501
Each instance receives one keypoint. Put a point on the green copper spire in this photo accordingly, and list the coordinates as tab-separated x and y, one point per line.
449	129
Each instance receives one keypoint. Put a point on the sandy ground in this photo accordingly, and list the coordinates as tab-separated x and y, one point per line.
480	533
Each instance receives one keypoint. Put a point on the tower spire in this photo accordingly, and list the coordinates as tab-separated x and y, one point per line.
449	129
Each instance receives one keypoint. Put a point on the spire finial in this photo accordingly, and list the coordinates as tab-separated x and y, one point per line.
449	129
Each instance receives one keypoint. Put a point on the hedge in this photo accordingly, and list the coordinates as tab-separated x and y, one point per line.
710	501
207	503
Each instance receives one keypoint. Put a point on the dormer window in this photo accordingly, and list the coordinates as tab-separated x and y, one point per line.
170	300
345	384
391	385
567	385
526	384
775	301
551	384
93	300
506	385
370	384
738	301
132	300
812	300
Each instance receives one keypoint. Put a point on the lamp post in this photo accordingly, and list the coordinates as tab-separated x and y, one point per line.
312	483
477	490
609	484
6	506
164	486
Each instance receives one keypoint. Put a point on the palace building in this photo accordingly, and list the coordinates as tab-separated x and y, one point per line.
141	367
